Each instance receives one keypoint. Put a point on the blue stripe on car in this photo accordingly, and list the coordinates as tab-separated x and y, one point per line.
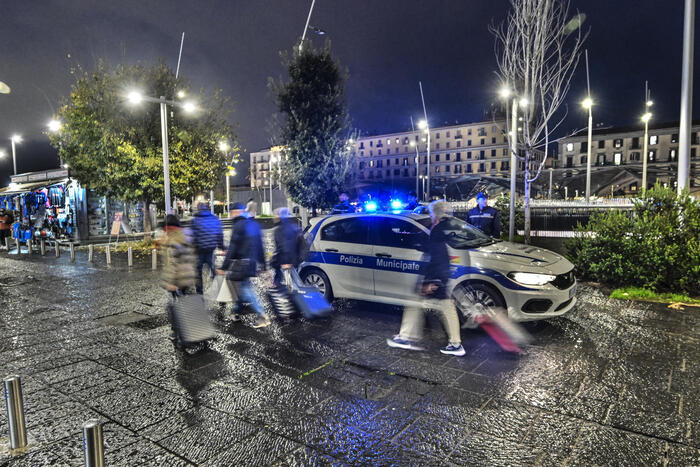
405	266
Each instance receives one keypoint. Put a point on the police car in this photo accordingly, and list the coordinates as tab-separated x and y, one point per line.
377	257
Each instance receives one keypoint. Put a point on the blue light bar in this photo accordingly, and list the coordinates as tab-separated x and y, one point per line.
370	206
396	204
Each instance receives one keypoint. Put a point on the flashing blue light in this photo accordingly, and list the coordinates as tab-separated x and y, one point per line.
370	206
396	204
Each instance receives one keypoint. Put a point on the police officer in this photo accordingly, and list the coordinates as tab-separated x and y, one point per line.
412	202
343	207
485	218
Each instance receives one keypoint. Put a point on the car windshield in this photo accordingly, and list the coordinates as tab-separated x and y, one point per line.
461	235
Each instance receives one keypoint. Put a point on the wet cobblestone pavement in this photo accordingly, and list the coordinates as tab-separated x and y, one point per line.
612	383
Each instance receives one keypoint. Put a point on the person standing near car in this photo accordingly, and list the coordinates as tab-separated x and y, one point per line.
433	291
412	202
5	224
245	253
208	235
287	254
251	208
343	206
484	217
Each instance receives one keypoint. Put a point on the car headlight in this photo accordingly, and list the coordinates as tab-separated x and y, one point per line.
531	278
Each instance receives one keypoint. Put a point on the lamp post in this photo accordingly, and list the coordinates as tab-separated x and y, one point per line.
224	147
273	159
505	94
414	145
135	97
15	139
686	96
588	104
424	125
645	118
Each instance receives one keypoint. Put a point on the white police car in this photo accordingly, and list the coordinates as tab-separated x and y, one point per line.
376	257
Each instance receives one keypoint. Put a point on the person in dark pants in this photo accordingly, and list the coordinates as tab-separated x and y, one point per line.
208	235
412	202
245	253
344	206
485	218
287	252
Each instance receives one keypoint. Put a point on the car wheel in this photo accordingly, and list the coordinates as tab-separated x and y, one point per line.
318	279
473	299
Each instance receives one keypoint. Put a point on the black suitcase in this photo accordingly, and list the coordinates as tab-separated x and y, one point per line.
281	300
309	301
190	319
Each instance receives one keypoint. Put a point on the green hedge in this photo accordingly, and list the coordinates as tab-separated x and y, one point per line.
657	246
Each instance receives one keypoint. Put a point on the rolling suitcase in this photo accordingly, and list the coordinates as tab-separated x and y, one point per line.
190	319
507	334
307	300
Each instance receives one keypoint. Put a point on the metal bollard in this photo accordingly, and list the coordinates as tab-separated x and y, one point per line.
154	259
93	444
58	249
130	256
15	411
29	247
91	252
42	246
109	255
72	252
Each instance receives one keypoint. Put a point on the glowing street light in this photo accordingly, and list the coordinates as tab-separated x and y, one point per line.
16	139
505	92
588	104
645	118
523	102
135	97
54	125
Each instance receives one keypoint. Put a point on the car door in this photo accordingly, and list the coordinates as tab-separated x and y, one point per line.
396	244
344	248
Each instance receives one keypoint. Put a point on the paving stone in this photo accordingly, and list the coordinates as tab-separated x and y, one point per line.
451	404
431	436
678	454
262	448
671	427
553	434
599	445
505	420
485	450
308	457
152	411
347	410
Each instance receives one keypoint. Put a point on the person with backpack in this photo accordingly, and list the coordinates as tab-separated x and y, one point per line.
289	245
245	253
207	235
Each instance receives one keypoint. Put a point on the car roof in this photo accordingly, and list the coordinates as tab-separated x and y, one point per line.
406	214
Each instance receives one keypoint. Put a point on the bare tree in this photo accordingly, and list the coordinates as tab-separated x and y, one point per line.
537	50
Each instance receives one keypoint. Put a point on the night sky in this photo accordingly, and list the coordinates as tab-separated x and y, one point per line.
386	45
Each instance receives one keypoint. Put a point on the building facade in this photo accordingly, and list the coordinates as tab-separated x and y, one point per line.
623	148
390	159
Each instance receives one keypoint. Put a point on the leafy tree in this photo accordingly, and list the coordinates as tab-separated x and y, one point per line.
116	149
316	128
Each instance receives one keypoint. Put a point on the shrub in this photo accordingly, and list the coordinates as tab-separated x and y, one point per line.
503	206
657	246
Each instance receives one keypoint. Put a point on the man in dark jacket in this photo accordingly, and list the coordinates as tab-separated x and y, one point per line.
207	236
412	202
245	253
433	291
287	254
344	206
485	218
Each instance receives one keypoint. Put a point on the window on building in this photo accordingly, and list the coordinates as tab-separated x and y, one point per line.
569	147
458	169
405	172
405	140
459	134
493	140
482	154
437	157
388	142
362	165
617	158
584	147
469	142
397	172
396	161
634	156
569	161
469	168
447	157
482	167
672	154
458	156
380	164
494	129
447	168
388	162
362	145
505	165
379	152
635	143
482	141
371	144
447	145
652	156
601	144
674	138
600	160
459	144
493	153
482	131
437	170
469	131
693	152
405	161
617	143
362	153
583	159
371	153
493	164
447	134
469	154
437	145
653	139
505	151
371	163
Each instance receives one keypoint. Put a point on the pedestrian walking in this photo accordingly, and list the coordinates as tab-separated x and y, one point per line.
5	225
432	289
287	245
245	253
484	217
207	236
251	208
179	270
343	206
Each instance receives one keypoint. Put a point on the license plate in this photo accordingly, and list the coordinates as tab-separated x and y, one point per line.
572	291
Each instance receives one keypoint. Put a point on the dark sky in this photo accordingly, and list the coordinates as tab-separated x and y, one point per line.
387	46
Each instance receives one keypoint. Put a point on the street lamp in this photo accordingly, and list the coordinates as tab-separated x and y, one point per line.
506	93
273	159
423	125
224	147
588	104
135	98
15	140
645	118
54	126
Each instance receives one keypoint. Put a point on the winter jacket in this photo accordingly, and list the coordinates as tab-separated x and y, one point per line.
179	269
207	232
5	222
487	220
246	243
343	208
286	244
438	269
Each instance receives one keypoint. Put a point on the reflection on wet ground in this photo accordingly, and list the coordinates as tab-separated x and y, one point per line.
611	383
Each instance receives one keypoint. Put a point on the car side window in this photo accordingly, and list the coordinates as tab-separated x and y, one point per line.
397	233
352	230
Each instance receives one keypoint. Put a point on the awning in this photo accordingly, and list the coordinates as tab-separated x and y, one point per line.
19	188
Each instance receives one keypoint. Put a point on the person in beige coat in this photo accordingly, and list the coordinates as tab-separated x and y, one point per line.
179	274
